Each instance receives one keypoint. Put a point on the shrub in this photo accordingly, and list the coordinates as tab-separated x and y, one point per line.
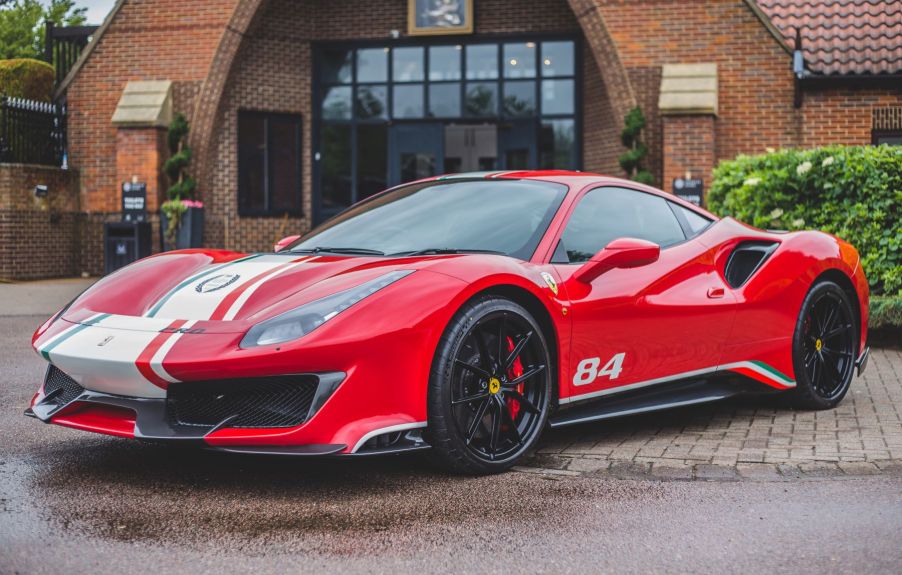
885	312
852	192
26	78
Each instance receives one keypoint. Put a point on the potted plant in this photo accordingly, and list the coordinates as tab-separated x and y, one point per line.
182	216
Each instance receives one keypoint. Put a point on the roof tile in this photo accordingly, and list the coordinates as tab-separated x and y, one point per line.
842	37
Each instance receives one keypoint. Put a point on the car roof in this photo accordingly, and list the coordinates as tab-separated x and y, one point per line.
575	181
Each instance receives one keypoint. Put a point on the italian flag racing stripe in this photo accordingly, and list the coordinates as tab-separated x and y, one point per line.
143	362
156	308
762	372
69	332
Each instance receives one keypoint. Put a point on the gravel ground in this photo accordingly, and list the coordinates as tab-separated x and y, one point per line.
80	503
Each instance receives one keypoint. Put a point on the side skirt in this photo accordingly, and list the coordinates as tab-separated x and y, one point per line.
666	396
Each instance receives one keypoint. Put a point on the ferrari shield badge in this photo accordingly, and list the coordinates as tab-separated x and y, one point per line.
549	279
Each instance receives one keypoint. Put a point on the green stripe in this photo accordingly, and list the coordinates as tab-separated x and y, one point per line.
45	351
770	369
193	279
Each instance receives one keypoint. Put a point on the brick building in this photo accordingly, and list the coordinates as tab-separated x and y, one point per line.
300	107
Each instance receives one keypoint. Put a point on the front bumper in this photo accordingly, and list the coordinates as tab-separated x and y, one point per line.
63	402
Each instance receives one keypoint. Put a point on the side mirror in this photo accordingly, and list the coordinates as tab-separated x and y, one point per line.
620	253
284	243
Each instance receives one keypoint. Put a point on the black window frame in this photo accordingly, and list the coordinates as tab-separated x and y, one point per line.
684	222
555	255
268	210
537	119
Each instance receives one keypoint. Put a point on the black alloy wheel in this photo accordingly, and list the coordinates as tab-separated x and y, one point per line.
490	387
824	347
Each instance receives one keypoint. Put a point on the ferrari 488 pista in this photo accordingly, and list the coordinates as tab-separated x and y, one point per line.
460	314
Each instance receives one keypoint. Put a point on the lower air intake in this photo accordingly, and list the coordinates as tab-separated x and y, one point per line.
282	401
59	388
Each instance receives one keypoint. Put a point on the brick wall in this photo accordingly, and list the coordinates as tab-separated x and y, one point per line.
148	40
140	152
38	237
843	114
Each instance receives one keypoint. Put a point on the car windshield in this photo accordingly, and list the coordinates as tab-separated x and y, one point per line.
444	216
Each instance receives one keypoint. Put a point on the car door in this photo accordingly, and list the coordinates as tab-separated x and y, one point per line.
634	327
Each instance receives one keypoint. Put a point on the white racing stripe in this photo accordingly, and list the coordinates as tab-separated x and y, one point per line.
246	294
199	297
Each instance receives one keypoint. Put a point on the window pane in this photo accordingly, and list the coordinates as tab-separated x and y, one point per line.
557	145
444	62
407	65
557	97
337	103
408	101
372	102
251	162
482	62
336	66
285	176
606	214
444	100
557	59
336	166
372	65
520	60
697	222
481	99
520	98
372	159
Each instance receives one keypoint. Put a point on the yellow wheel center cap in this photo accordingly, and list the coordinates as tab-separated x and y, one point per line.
494	385
818	345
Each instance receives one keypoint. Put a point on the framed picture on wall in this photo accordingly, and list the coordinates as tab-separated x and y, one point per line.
439	17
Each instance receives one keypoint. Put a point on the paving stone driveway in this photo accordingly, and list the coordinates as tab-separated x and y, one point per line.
743	438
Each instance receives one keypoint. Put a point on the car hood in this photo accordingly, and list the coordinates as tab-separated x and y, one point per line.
222	292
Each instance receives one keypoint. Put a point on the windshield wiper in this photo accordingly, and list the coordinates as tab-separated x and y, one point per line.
442	251
352	251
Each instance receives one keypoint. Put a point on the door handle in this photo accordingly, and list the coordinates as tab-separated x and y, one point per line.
715	292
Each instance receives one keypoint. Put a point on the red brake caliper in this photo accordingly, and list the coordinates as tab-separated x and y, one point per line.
514	372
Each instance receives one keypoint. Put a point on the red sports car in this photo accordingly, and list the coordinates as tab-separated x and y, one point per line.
461	314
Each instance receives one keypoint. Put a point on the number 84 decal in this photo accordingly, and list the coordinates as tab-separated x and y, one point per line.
587	371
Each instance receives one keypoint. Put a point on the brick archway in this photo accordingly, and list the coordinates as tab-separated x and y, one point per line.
618	89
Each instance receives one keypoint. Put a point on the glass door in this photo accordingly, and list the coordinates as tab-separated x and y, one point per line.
415	151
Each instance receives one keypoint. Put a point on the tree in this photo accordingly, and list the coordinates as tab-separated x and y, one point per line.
632	161
22	25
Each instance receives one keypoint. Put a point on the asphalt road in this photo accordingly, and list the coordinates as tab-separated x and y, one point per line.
78	503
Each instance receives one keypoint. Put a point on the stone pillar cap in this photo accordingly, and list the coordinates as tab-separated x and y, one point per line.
144	104
688	89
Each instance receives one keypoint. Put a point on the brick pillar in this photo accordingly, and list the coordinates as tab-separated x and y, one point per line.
688	107
140	153
688	147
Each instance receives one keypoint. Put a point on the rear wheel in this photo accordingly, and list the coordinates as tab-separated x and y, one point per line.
824	346
490	387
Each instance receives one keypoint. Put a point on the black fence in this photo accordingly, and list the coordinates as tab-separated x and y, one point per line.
63	46
32	132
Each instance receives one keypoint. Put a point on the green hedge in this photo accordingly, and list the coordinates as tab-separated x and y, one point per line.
26	78
885	312
852	192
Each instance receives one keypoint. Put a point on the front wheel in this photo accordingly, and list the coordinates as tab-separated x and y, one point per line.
490	387
824	347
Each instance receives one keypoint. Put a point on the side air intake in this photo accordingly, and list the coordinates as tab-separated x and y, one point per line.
746	259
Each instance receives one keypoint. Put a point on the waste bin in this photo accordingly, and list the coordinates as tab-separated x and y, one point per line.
124	243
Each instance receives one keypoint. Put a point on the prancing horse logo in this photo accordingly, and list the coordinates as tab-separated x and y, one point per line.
216	283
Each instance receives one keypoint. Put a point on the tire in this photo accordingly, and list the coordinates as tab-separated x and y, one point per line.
483	418
824	347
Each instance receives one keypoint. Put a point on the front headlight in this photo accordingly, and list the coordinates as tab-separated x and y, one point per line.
301	321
